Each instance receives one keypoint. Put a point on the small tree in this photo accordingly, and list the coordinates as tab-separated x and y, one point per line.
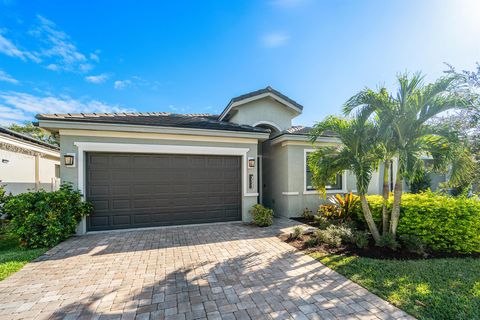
358	153
405	124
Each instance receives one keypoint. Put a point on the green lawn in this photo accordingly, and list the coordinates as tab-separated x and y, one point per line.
13	257
427	289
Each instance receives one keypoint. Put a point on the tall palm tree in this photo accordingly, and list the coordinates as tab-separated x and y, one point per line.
358	153
405	121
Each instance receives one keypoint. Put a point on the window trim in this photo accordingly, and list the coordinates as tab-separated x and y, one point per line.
305	191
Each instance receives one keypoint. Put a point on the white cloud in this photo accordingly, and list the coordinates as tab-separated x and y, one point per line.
275	39
57	46
20	106
136	82
52	47
10	115
7	78
94	56
122	84
98	78
7	47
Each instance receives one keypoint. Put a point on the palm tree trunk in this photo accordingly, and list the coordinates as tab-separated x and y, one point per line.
397	199
386	191
369	218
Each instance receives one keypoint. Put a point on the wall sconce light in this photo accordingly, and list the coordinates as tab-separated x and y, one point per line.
69	159
251	162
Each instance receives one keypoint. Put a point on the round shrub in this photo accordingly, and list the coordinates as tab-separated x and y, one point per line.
44	219
262	217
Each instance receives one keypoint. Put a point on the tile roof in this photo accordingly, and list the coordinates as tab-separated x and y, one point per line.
160	119
26	138
265	90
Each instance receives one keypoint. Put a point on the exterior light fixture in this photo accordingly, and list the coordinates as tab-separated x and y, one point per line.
69	159
251	162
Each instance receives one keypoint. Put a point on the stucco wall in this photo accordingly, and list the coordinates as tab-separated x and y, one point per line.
18	174
290	181
275	167
70	174
263	110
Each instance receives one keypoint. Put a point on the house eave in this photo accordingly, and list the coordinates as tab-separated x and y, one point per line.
32	147
55	126
302	138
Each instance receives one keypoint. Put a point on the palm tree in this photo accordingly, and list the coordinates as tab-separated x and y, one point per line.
358	153
373	102
404	120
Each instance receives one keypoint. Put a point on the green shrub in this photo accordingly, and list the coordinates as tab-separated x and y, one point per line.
307	214
329	238
334	235
329	211
44	219
312	242
262	217
361	239
441	222
297	232
321	221
412	244
388	241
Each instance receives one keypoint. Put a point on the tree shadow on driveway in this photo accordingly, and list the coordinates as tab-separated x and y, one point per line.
249	286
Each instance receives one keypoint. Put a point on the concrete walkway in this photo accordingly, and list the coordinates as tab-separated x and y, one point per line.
221	271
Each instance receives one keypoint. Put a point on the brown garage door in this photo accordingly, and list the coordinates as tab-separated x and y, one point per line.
146	190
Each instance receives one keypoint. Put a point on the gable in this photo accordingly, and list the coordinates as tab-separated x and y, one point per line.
266	106
263	112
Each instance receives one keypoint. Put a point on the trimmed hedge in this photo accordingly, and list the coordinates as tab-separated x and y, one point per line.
443	223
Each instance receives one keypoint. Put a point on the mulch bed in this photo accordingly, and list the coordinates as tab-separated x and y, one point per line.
369	252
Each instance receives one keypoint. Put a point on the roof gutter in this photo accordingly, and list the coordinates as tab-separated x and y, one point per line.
55	126
303	138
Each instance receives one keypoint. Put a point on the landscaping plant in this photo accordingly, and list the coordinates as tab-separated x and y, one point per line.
405	131
262	217
358	153
44	219
345	204
442	223
296	234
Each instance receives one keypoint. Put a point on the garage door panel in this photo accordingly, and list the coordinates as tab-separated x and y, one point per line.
120	162
143	190
100	161
120	220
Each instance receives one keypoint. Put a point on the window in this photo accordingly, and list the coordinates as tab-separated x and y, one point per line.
308	179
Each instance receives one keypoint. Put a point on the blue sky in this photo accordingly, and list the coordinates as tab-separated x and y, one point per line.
193	56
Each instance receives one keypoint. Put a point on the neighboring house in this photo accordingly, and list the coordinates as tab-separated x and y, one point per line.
27	164
154	169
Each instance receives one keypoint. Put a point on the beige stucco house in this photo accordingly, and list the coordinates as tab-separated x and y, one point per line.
155	169
27	164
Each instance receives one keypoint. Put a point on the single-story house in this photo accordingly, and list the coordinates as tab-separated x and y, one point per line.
27	164
155	169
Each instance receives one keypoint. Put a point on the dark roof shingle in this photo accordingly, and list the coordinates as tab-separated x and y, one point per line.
160	119
265	90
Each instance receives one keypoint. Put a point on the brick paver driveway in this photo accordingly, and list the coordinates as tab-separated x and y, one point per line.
222	271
